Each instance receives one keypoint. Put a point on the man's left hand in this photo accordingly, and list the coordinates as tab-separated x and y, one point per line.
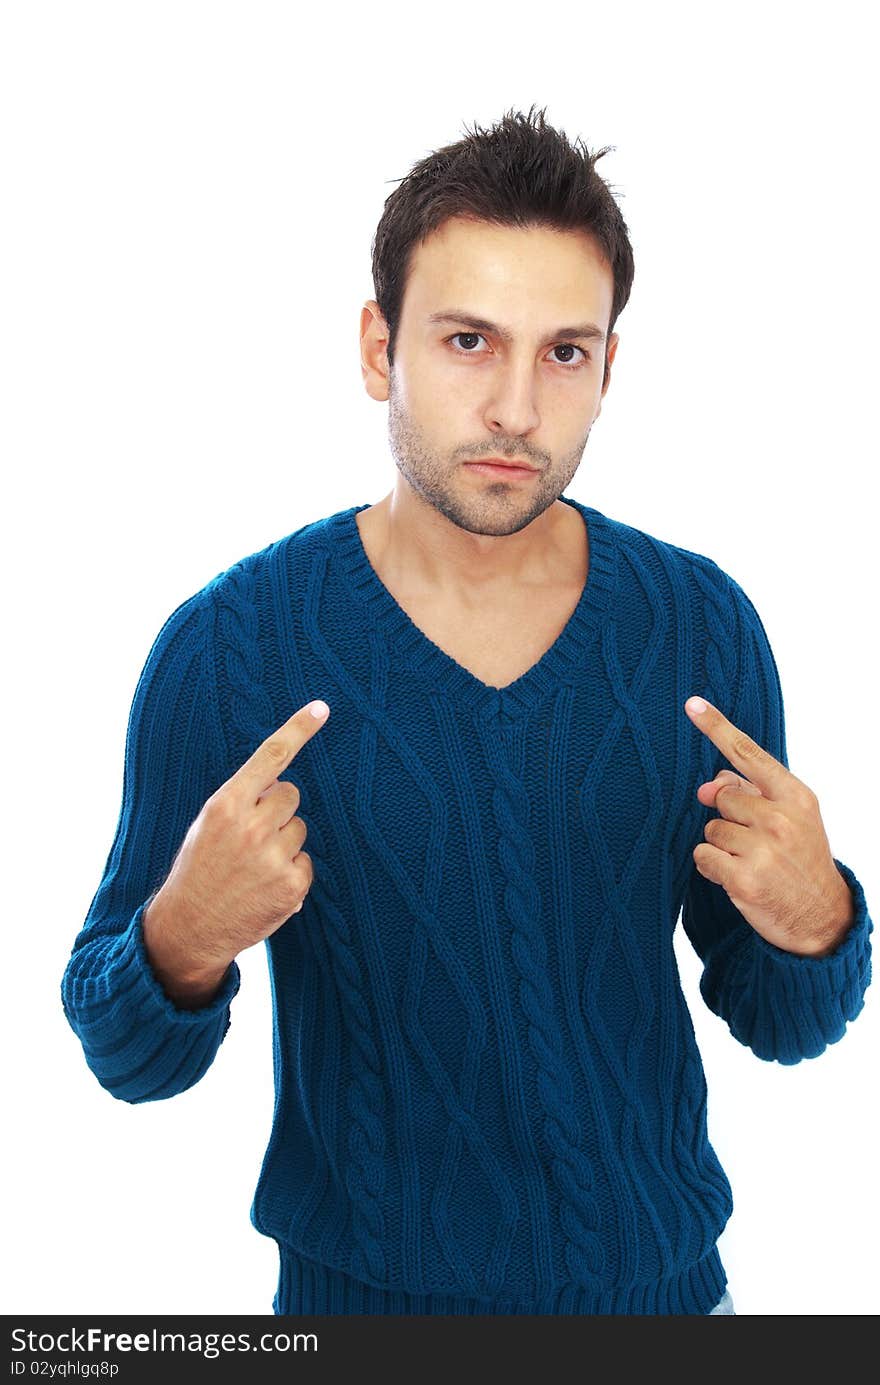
769	850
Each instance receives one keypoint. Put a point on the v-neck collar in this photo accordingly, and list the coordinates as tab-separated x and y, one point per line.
564	662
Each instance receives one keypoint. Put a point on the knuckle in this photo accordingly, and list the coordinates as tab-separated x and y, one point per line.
221	807
744	745
274	748
762	868
252	833
302	828
778	825
748	887
805	796
304	870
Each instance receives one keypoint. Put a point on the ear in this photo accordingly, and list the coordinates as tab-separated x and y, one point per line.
374	336
610	353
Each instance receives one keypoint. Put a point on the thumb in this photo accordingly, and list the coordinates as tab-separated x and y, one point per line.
706	792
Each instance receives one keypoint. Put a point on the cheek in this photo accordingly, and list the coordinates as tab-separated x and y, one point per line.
450	395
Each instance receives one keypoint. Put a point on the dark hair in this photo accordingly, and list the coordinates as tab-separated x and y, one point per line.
518	173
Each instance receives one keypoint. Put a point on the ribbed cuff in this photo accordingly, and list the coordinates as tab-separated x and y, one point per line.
138	1042
151	985
787	1006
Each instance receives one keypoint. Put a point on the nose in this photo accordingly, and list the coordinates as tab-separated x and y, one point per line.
511	406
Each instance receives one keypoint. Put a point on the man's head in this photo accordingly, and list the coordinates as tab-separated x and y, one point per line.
515	240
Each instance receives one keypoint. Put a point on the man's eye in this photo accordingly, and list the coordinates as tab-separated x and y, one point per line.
570	346
562	345
475	336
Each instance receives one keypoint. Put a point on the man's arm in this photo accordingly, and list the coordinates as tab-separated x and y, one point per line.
783	1004
148	1027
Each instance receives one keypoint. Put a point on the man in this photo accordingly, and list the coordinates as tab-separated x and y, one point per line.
489	1094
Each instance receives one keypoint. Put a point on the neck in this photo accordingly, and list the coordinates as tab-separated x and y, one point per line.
418	547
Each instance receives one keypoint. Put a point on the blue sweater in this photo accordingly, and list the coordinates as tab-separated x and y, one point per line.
489	1096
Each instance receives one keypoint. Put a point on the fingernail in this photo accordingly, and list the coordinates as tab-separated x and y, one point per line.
318	709
696	704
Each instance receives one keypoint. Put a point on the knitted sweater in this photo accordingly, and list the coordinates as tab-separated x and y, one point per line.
488	1092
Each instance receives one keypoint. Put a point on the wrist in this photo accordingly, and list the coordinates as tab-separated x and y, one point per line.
840	919
186	979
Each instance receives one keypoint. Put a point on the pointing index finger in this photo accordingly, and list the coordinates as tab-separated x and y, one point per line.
275	753
751	759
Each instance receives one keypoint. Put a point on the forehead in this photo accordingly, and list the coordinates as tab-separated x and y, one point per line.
503	269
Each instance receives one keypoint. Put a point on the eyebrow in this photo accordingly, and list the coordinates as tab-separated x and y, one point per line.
586	330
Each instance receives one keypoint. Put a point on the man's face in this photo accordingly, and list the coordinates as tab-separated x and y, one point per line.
458	391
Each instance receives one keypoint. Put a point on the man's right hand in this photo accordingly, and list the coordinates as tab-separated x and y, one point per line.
239	874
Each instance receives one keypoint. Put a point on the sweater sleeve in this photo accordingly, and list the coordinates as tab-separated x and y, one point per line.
139	1043
782	1005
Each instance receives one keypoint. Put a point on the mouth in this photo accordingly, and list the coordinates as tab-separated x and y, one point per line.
503	471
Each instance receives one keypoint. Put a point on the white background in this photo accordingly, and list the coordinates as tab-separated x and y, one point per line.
190	195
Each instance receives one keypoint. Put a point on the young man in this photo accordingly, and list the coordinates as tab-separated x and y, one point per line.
490	1097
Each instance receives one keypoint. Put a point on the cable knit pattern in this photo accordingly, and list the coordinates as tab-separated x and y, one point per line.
250	721
488	1093
579	1215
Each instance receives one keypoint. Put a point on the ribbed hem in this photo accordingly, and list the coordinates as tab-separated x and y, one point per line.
307	1287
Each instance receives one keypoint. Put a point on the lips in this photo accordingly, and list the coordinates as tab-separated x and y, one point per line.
510	474
500	462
